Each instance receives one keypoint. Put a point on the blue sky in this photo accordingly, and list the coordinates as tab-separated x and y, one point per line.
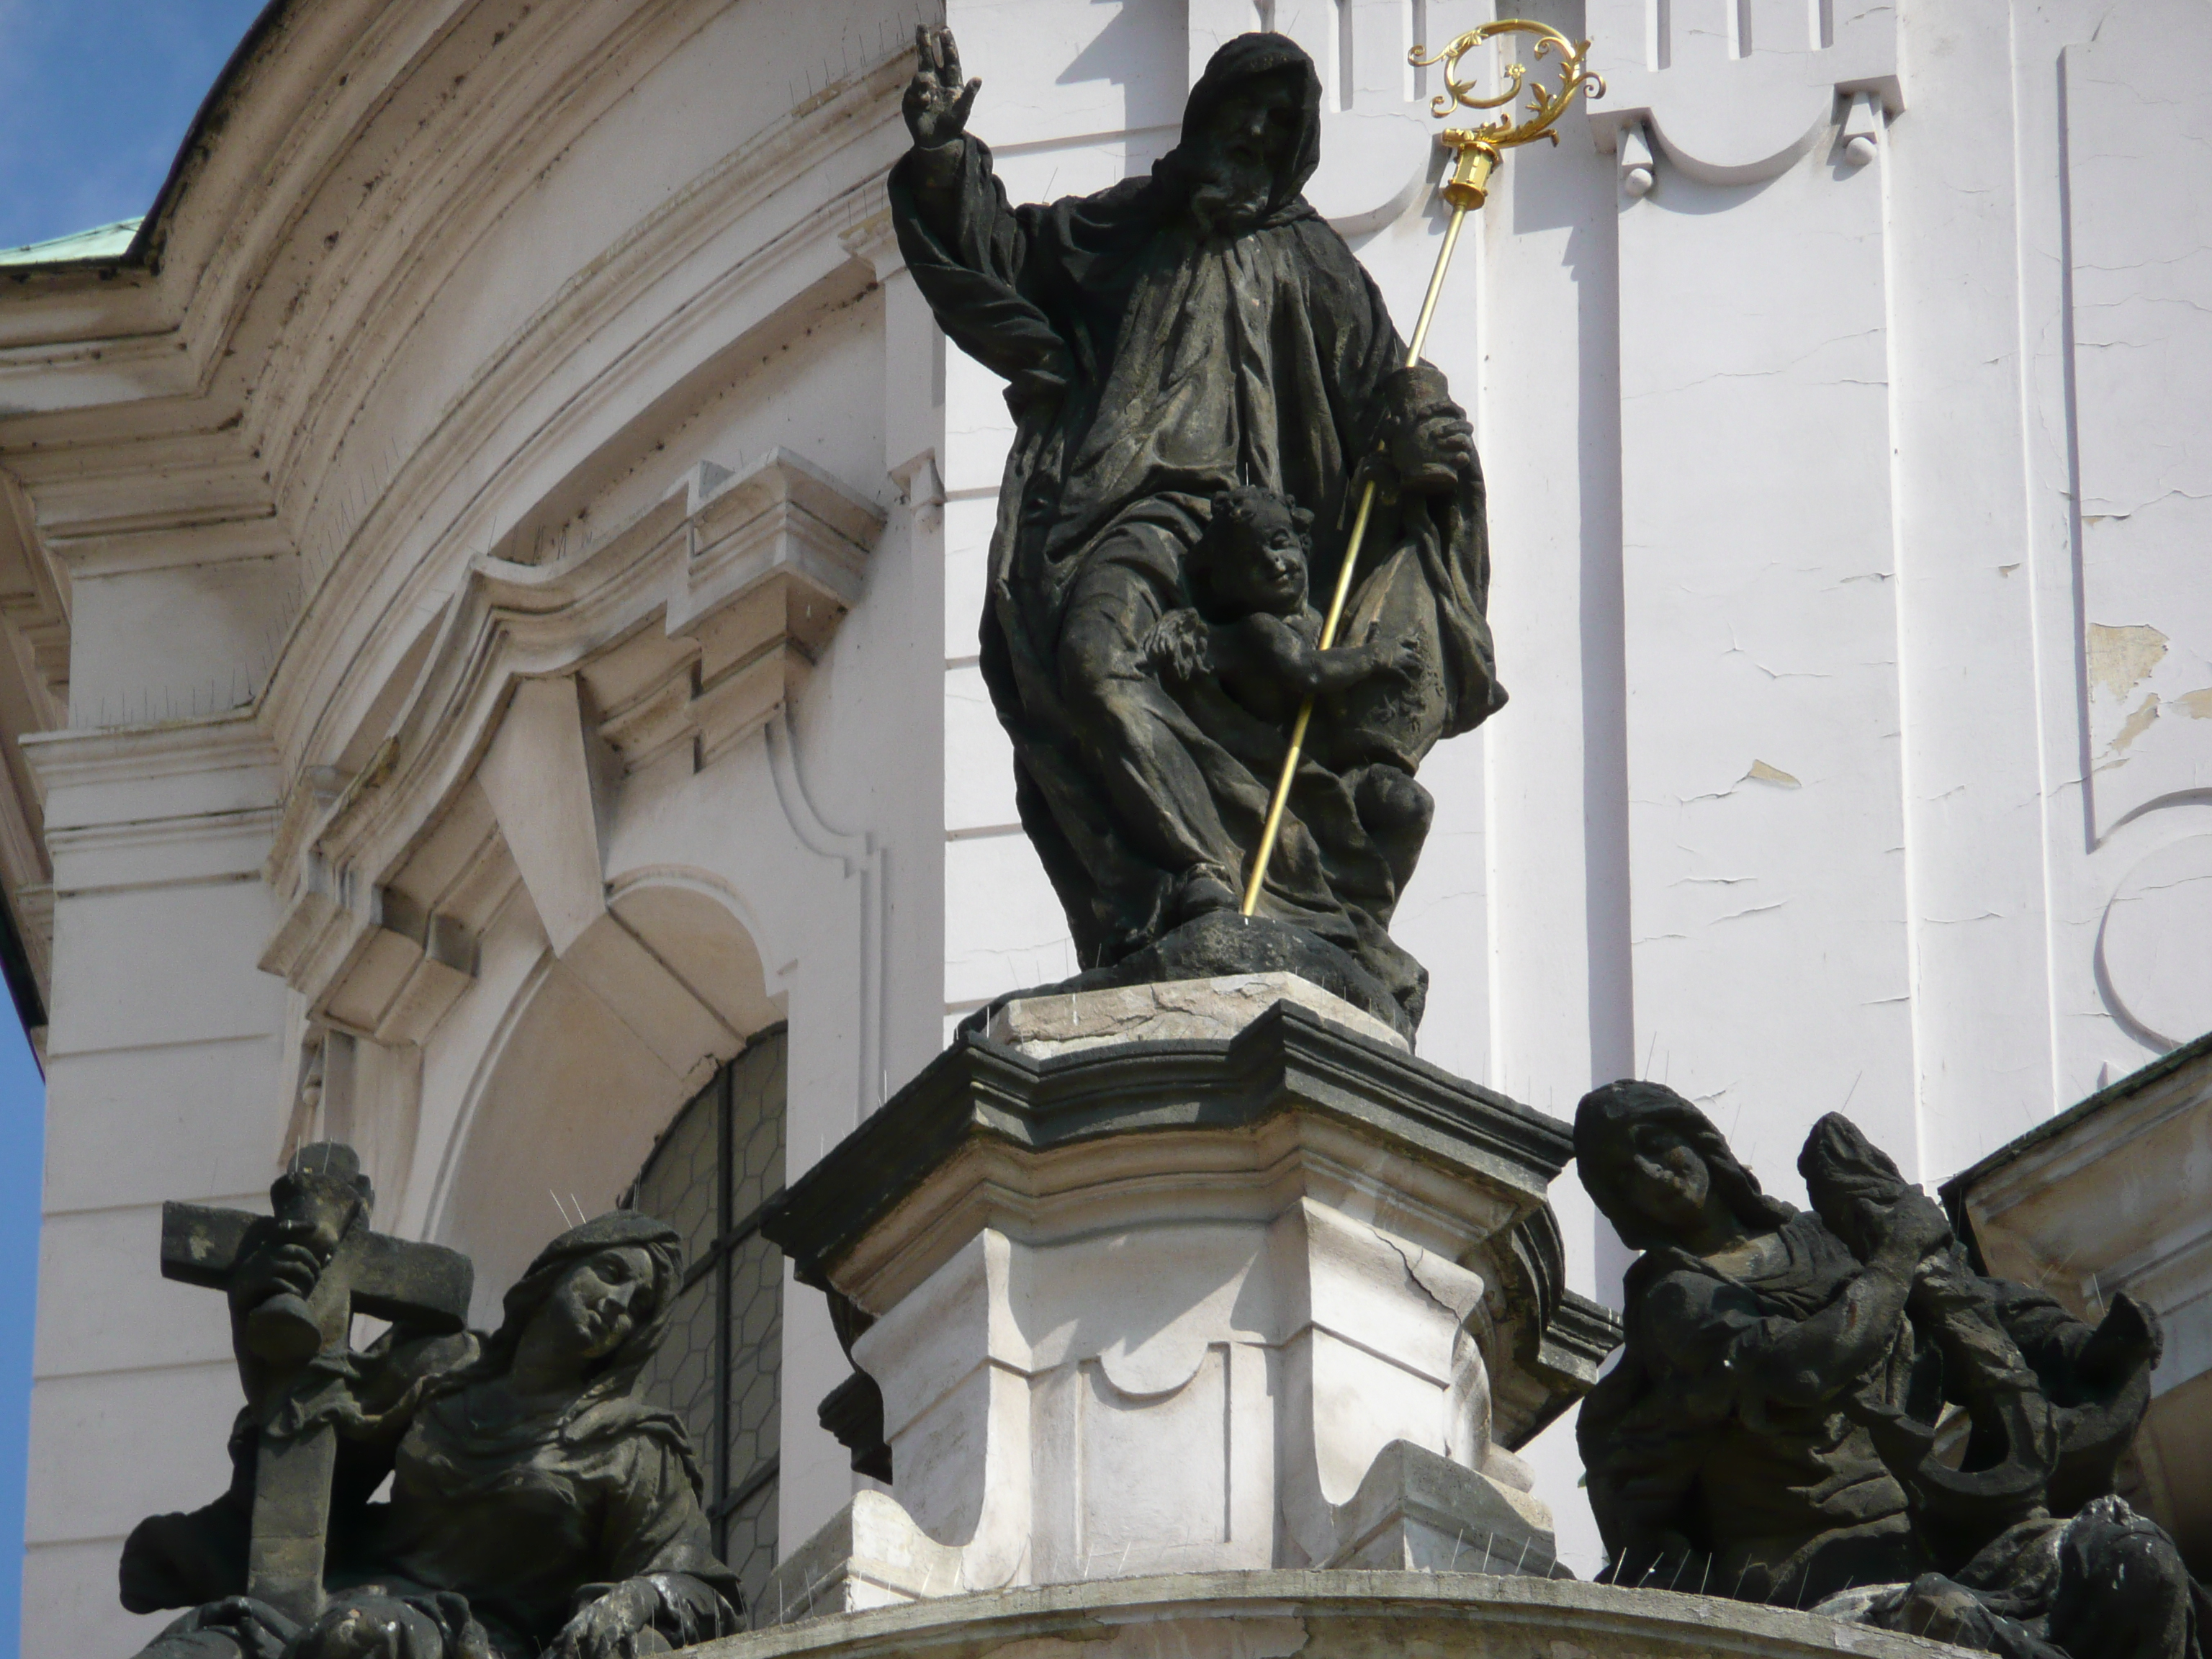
22	1146
94	98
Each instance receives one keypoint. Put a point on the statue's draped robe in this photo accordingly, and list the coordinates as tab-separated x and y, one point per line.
1701	1479
1150	367
1772	1434
1784	1500
516	1516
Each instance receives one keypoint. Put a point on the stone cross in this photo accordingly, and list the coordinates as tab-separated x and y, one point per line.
322	1202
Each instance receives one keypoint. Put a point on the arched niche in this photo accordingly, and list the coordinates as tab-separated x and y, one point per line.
603	1045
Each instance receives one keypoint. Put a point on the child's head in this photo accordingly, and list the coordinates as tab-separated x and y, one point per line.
1252	555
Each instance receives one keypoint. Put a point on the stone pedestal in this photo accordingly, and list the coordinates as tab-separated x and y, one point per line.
1284	1298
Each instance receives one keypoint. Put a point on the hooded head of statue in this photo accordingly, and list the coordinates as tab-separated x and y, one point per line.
1646	1154
1251	134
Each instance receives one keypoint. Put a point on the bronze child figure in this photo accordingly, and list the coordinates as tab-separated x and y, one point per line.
1255	628
1249	652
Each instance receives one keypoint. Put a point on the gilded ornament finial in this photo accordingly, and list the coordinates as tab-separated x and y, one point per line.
1479	149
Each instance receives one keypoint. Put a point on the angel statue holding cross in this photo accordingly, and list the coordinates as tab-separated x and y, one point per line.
537	1504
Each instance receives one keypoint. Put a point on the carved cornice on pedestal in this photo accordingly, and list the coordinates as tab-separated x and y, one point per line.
1290	1058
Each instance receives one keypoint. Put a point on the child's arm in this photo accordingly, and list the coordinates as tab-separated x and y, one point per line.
1180	648
1311	671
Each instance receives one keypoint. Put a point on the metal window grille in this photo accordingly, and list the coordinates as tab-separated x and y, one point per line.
710	1176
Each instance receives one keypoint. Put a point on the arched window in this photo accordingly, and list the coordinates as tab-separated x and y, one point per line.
710	1174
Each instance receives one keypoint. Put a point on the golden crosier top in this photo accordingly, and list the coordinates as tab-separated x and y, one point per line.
1478	150
1546	105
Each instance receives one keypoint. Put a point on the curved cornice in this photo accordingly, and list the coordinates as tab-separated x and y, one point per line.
393	129
235	390
747	576
719	260
978	1091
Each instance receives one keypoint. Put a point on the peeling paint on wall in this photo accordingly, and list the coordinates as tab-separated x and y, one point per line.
1761	772
2121	659
2198	705
2135	725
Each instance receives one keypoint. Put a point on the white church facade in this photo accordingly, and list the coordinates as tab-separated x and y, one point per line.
489	571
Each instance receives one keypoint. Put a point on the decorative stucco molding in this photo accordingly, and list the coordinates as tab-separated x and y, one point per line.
545	687
1731	93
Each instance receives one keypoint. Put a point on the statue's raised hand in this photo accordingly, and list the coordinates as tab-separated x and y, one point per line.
937	101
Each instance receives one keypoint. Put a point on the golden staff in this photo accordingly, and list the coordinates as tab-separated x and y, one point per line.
1479	151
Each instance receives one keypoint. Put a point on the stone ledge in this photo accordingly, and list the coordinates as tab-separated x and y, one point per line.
1417	1510
1047	1027
1323	1615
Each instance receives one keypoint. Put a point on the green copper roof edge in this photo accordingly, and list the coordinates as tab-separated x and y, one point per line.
2050	1128
102	243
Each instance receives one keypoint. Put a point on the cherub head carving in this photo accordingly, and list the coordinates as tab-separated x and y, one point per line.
1253	555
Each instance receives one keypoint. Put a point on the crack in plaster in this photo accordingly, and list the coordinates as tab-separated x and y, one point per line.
1756	909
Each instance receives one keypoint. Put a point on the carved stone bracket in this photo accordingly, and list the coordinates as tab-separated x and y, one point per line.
774	557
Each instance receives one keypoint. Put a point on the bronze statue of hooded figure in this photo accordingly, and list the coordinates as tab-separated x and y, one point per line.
1165	340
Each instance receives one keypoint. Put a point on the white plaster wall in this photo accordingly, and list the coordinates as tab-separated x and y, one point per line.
162	1081
1848	764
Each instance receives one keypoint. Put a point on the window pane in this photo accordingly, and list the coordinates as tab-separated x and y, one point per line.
719	1368
756	1347
748	1542
681	1376
681	1180
756	1126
